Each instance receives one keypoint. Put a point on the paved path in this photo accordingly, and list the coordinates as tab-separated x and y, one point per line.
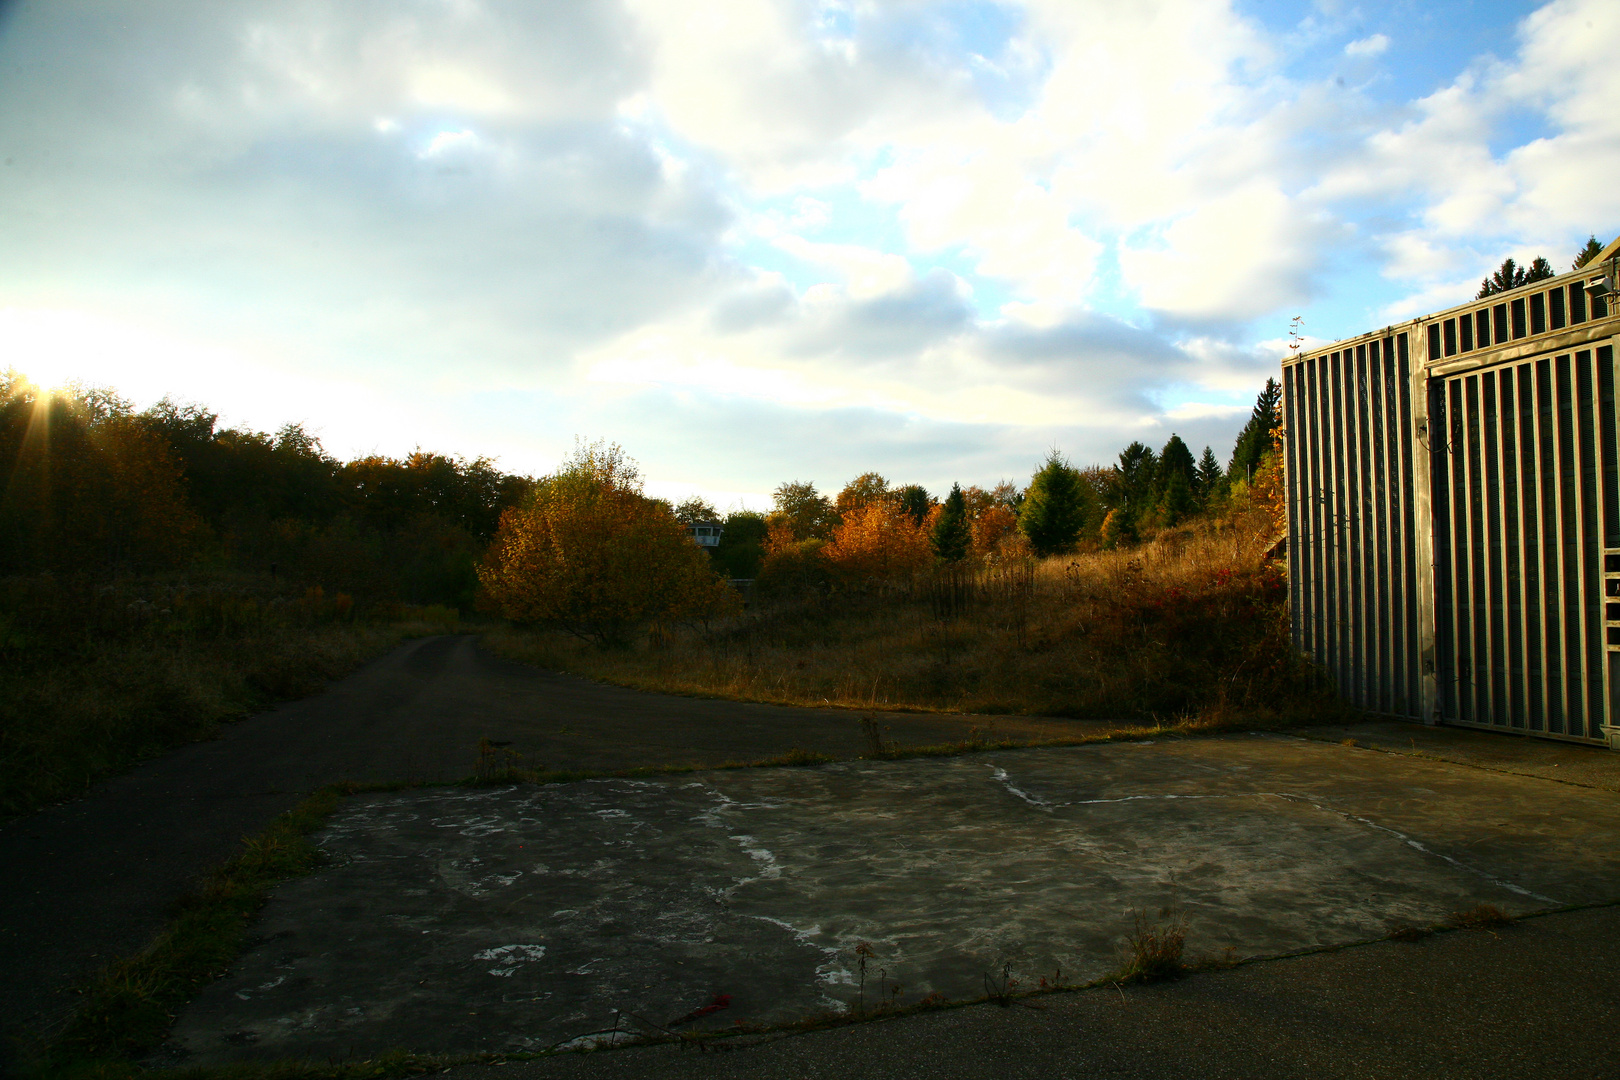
93	879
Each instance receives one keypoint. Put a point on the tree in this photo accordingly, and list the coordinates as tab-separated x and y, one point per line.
994	532
950	536
1209	475
742	544
805	513
865	489
1006	493
590	554
876	542
1510	275
1054	507
87	486
1591	250
693	508
915	500
1256	437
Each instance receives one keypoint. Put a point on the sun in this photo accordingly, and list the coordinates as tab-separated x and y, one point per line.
52	348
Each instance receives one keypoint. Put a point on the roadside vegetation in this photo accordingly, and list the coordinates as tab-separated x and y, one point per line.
163	574
160	574
1150	590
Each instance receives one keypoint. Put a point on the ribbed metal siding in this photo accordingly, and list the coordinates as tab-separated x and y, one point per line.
1352	556
1530	474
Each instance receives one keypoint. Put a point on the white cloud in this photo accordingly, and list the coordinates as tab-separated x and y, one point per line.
1367	46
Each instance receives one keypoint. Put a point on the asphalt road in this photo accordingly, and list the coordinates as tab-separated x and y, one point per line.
94	878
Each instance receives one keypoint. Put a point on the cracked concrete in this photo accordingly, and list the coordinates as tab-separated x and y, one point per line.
507	919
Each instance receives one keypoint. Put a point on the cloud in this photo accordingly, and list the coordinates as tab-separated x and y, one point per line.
1367	46
923	233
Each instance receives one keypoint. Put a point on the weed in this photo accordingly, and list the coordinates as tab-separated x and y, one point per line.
1479	917
1407	932
863	952
1154	949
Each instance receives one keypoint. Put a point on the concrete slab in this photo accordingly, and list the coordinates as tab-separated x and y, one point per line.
457	920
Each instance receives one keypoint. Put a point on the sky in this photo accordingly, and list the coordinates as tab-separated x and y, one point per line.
755	241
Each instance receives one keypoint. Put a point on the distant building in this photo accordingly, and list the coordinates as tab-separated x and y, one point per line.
1454	511
705	533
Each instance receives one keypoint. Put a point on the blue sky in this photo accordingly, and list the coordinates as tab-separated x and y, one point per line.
767	240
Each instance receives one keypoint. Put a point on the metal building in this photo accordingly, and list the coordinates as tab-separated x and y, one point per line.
1454	511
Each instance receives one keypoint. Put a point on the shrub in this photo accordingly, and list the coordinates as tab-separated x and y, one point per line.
590	554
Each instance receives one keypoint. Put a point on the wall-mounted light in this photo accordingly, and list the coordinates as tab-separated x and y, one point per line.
1599	286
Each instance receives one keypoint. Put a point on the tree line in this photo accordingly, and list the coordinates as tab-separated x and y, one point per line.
873	529
94	487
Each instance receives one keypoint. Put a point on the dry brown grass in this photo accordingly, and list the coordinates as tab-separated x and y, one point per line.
96	677
1191	626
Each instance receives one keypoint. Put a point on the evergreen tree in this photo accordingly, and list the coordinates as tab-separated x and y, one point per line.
1209	475
1255	438
1510	275
1176	460
1176	502
951	538
915	500
1591	251
1054	507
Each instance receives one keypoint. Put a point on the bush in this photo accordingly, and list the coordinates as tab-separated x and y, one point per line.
590	554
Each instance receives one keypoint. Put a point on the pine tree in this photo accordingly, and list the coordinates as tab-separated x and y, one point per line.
951	538
1591	251
1209	475
1255	438
1510	275
1054	507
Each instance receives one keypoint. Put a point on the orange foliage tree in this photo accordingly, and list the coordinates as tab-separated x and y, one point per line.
590	554
995	532
878	541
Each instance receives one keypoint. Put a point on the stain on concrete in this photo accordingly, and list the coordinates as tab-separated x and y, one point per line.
522	918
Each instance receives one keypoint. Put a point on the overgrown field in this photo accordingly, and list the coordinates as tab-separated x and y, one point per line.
96	676
1192	625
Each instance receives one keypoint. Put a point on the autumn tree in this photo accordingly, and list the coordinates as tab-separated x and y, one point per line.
694	508
802	512
591	554
877	542
995	532
865	489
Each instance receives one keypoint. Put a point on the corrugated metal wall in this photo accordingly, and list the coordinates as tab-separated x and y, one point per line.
1352	544
1524	503
1454	514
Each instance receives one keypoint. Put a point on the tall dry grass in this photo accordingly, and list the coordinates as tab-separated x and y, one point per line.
95	676
1190	625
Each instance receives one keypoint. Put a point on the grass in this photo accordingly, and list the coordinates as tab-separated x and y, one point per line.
1154	949
1192	625
95	677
